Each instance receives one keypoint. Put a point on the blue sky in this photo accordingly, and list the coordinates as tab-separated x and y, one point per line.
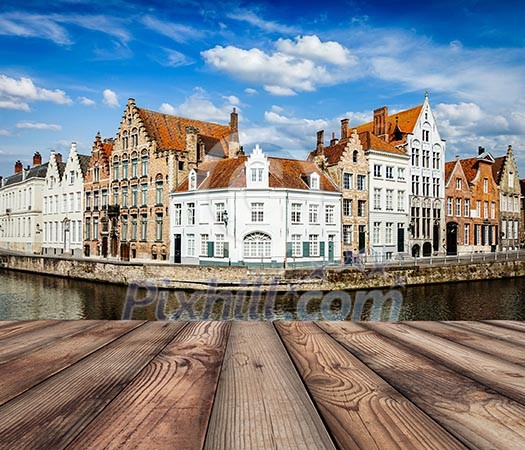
291	68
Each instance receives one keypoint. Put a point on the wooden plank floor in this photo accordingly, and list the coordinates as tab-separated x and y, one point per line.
262	385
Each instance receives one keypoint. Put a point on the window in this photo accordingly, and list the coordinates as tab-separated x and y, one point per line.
511	179
125	140
361	208
466	207
257	174
257	245
347	207
313	239
436	160
125	169
478	208
330	214
314	182
177	216
144	194
400	173
415	184
361	180
133	228
449	206
87	231
124	196
458	207
191	213
134	194
486	185
377	171
134	137
485	210
115	170
95	228
181	165
219	212
389	172
104	198
124	236
95	199
88	201
143	227
348	180
193	181
389	235
72	177
415	156
296	246
426	158
134	167
426	186
159	223
376	232
204	244
347	234
191	245
377	199
389	200
435	188
159	193
219	245
466	234
257	212
313	214
426	135
296	212
96	174
401	201
144	165
354	156
458	184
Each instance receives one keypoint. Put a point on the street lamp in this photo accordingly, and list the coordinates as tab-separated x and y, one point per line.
225	218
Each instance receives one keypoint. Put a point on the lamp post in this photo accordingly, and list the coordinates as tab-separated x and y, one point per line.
67	222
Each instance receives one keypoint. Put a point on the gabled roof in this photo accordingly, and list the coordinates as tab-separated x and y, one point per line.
284	173
170	131
39	171
470	165
371	142
497	168
449	168
84	163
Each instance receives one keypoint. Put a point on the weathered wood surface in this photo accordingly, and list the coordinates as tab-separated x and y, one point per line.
255	385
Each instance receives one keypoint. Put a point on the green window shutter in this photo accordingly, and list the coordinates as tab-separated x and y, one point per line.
210	249
226	250
306	248
321	248
289	251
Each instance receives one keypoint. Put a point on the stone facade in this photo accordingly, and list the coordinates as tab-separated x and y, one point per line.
505	172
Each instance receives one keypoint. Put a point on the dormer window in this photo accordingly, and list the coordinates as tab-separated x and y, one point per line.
257	174
314	181
257	169
193	180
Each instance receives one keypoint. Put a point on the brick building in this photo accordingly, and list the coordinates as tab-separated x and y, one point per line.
153	152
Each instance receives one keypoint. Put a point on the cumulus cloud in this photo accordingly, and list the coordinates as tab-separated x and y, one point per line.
110	98
86	101
177	32
18	93
38	126
293	68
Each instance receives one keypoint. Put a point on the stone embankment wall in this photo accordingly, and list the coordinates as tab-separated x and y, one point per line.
200	277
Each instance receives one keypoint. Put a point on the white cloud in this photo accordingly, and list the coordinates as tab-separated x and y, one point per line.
4	133
232	100
175	31
250	91
14	104
254	19
283	73
38	126
311	47
200	106
277	109
86	101
175	59
110	98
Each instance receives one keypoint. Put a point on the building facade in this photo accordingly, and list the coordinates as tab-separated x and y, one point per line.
256	210
63	204
96	199
153	153
21	207
505	172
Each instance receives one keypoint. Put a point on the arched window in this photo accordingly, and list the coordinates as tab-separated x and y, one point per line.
144	159
134	138
125	140
257	245
354	156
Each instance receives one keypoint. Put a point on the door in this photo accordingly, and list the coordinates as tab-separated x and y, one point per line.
362	239
400	239
452	238
331	238
177	241
67	243
105	246
124	251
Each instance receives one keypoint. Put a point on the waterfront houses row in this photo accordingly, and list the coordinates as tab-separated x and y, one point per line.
179	189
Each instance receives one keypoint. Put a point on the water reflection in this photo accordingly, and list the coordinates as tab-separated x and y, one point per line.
29	296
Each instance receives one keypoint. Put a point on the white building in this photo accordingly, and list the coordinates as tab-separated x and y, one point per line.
63	204
256	210
21	207
388	197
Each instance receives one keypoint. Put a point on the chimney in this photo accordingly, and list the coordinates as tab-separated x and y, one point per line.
344	128
380	123
58	158
333	141
233	144
192	134
19	167
37	159
320	141
481	150
234	121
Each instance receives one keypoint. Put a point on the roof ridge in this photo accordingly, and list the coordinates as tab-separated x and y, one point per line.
181	117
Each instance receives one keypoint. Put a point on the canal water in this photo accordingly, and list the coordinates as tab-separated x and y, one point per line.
26	296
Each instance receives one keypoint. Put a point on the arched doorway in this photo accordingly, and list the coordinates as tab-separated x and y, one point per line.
427	249
257	245
452	238
416	251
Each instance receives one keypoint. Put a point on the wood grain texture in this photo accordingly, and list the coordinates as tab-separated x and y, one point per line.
473	339
59	408
18	327
511	324
169	403
261	402
493	331
32	368
504	377
360	409
476	415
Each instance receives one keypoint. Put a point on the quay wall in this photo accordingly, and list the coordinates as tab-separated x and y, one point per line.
237	278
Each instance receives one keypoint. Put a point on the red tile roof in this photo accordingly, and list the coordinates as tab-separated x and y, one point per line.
522	184
497	166
371	142
449	168
284	173
470	168
170	131
108	148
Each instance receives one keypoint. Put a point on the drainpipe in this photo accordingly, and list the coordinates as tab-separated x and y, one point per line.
286	232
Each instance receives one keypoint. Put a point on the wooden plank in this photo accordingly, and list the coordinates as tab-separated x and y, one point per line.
52	413
502	376
5	323
261	402
476	415
169	404
32	368
496	347
516	337
511	324
360	409
14	346
19	327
